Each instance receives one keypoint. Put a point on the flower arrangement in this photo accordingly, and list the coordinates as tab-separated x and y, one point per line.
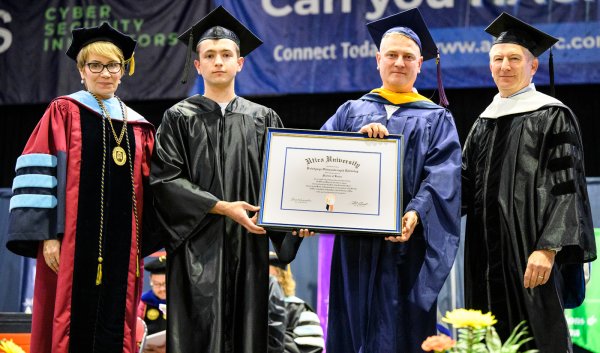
476	334
8	346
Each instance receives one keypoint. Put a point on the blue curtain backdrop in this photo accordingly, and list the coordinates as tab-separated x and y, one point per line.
16	272
594	190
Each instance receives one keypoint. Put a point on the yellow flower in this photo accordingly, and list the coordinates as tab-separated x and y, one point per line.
8	346
469	318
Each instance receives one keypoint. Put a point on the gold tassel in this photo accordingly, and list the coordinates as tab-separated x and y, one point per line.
137	265
99	273
131	65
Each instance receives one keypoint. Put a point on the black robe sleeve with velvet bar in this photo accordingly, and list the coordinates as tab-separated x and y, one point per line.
217	272
524	189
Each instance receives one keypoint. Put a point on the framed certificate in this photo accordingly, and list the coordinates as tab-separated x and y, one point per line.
329	181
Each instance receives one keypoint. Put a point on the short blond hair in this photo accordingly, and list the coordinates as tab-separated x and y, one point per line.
103	48
286	280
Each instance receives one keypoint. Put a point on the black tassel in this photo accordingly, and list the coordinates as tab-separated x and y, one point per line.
186	68
551	72
443	99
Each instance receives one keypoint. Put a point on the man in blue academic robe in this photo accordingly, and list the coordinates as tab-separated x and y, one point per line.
384	291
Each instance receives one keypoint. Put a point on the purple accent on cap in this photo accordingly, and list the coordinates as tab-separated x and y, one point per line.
324	274
443	99
407	32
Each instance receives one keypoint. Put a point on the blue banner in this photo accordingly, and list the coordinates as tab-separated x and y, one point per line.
311	46
319	46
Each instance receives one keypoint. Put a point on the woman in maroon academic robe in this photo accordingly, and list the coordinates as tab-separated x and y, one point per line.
77	205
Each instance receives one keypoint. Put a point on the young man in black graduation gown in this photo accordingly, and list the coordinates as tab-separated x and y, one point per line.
206	175
529	225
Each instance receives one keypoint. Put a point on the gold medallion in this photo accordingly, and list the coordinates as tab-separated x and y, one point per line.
152	314
119	156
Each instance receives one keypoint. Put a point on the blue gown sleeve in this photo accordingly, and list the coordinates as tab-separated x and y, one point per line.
438	204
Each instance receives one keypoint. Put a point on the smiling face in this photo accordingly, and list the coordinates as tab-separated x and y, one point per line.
103	84
399	61
218	62
512	67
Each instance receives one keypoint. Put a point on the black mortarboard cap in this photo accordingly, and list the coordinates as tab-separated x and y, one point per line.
509	29
158	266
104	32
410	19
411	24
274	261
218	24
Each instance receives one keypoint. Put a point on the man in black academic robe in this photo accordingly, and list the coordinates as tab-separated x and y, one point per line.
529	225
206	174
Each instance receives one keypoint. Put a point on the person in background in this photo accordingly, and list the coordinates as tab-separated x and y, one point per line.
78	205
303	332
277	317
384	292
529	225
151	307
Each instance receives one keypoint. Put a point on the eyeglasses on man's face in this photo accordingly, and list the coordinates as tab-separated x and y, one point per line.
158	284
96	67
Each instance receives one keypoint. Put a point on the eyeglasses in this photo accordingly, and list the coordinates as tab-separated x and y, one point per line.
158	285
113	68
